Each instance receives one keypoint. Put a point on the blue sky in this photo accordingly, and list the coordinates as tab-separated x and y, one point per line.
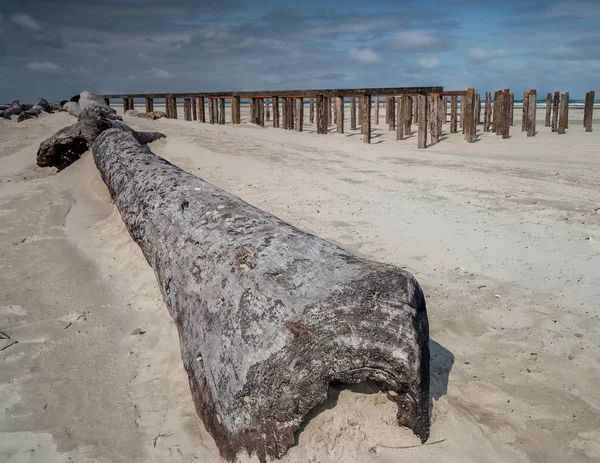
56	48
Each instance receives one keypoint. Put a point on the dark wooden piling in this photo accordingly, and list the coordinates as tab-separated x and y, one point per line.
441	113
290	111
506	116
149	104
462	113
222	111
339	113
434	118
187	109
299	114
194	109
201	109
360	111
531	113
387	110
525	111
329	111
511	109
366	118
353	113
498	112
311	111
487	113
392	118
548	121
235	110
422	111
416	109
322	124
478	105
174	107
268	109
588	113
261	112
211	111
454	113
562	116
407	112
401	118
567	111
555	104
275	111
470	125
376	110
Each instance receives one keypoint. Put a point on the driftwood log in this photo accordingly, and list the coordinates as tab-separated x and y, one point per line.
68	144
41	105
268	316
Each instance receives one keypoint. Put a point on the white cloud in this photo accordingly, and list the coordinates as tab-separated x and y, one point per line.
162	73
45	66
482	54
25	21
416	39
429	63
364	55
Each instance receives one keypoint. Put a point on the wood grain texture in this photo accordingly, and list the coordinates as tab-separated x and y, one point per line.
422	112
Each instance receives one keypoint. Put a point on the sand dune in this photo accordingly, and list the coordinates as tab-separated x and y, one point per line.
503	235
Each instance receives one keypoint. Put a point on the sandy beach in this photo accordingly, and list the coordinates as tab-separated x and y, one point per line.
503	236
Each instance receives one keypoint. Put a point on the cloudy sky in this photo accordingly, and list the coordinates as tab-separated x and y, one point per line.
56	48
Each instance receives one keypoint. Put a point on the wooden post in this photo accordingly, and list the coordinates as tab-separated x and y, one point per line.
511	109
400	122
174	107
506	115
187	109
441	113
299	114
149	104
434	118
531	113
562	116
478	104
194	110
329	111
285	120
567	111
487	114
168	107
311	109
454	113
216	105
211	110
268	109
322	114
416	117
548	121
339	113
376	110
353	113
462	113
201	109
107	102
407	111
290	113
588	113
470	127
360	116
261	112
366	118
235	110
387	110
525	111
222	111
422	113
392	121
499	112
275	111
555	104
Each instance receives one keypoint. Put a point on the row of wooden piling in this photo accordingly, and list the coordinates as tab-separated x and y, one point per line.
429	111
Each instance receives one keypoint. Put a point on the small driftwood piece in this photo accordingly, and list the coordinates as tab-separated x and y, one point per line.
69	143
267	314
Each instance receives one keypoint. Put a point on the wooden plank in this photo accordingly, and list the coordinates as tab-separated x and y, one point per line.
555	104
422	113
299	102
525	111
589	110
531	113
353	113
401	115
339	114
366	118
548	121
562	117
454	113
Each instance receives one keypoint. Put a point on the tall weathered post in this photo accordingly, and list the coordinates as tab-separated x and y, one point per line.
499	112
366	118
507	115
377	110
174	107
267	109
454	114
562	115
222	111
555	104
299	114
407	110
211	111
339	111
531	113
276	112
149	104
525	111
236	117
353	113
187	109
462	113
548	121
470	126
194	110
422	111
392	118
322	104
329	111
401	115
511	109
487	114
311	108
588	113
201	109
567	111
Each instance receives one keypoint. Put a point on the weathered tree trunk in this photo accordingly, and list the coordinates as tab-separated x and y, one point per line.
40	106
353	113
423	110
69	143
260	339
339	111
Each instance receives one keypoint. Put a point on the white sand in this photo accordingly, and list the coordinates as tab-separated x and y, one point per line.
503	235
